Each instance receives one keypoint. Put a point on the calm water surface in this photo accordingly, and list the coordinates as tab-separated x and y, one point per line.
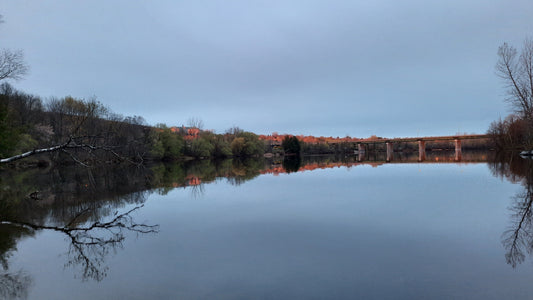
250	230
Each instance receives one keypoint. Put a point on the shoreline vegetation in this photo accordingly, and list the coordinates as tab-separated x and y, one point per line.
68	130
77	131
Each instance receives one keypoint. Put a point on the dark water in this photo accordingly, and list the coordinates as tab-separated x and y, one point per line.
318	228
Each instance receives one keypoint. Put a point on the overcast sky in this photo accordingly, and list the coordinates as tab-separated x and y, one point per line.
333	68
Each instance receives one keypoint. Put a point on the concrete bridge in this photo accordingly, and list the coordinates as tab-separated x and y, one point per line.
362	145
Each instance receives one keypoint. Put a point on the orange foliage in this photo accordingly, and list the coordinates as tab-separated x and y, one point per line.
277	169
188	133
276	139
193	180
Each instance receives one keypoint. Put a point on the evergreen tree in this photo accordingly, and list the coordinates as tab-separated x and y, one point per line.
291	145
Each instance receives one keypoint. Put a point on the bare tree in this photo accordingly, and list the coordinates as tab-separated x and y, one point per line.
12	65
195	122
517	74
235	130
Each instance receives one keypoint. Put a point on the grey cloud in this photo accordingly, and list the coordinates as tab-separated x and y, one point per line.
312	67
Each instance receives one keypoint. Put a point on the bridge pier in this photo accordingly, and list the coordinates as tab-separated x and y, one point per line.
421	150
390	151
361	149
458	152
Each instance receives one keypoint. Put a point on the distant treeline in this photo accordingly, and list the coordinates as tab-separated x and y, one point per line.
87	132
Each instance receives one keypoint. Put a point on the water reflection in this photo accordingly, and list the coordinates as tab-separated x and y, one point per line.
194	174
13	284
165	177
94	208
89	244
292	163
518	238
82	204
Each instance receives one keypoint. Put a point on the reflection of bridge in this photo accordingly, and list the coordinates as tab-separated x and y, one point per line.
362	145
311	163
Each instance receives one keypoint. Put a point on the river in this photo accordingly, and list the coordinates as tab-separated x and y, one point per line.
316	228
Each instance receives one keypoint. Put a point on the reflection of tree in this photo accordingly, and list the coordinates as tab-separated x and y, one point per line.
14	285
518	239
197	191
292	163
89	245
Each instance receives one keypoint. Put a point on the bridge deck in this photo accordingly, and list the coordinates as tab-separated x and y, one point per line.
427	138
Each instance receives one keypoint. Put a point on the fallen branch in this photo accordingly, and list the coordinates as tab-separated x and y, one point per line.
70	144
35	151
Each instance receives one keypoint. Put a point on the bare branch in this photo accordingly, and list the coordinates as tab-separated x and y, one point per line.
526	61
195	122
517	74
12	65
